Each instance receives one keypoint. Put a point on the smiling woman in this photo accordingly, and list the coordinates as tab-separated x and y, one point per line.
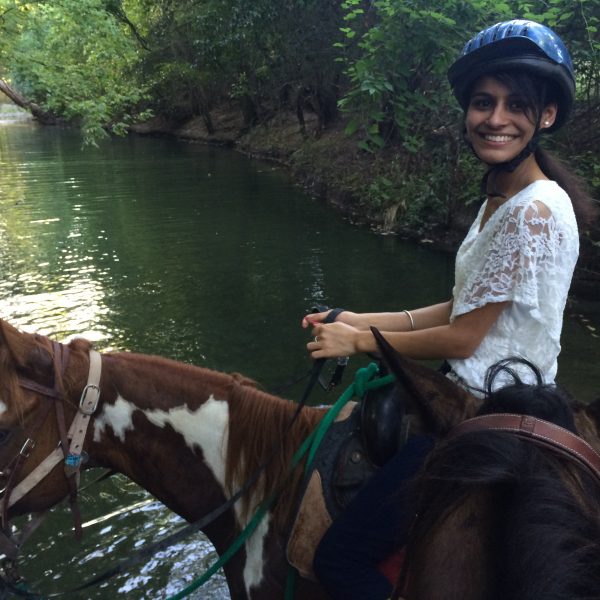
514	80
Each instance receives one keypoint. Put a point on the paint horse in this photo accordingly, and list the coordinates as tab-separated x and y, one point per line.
189	436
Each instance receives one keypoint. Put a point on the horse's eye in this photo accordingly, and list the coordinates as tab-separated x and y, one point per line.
4	436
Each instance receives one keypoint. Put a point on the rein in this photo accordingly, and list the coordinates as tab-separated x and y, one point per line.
540	432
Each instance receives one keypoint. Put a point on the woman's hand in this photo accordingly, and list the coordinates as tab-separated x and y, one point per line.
332	340
346	316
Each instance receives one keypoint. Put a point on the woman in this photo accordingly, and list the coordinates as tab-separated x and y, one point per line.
514	81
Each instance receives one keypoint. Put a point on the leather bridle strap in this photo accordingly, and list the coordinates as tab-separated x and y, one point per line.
70	453
13	494
541	432
60	358
17	464
87	407
77	431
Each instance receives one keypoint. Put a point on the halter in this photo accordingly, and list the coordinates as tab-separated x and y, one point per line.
540	432
71	452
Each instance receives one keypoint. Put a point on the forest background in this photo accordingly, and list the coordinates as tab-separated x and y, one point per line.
351	95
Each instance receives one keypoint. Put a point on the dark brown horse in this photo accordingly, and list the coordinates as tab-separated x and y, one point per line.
508	506
190	436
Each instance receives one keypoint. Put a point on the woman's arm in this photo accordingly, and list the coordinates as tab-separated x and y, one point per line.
458	339
423	318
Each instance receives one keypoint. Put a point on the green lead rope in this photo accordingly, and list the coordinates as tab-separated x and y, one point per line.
363	381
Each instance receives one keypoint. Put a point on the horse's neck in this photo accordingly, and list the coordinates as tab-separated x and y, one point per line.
164	429
167	429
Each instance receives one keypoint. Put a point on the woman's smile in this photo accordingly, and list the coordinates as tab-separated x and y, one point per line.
498	139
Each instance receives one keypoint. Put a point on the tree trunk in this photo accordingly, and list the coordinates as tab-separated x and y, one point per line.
41	115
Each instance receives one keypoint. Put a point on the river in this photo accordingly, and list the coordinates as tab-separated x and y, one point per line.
202	255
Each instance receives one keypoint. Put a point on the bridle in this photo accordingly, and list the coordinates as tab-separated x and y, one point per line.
69	449
540	432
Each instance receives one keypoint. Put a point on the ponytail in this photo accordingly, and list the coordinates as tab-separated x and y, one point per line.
584	205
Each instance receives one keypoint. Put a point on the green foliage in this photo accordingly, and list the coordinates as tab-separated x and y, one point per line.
383	63
72	58
396	55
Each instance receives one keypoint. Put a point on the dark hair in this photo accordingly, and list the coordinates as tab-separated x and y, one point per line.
536	93
544	401
584	206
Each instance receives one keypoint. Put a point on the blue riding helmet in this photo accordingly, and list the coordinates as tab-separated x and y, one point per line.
516	44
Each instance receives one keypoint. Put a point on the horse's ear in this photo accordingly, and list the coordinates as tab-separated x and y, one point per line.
11	344
587	421
439	402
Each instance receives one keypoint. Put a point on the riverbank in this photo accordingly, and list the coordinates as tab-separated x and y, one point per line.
332	168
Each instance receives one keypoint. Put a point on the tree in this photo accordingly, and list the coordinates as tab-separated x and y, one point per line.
73	58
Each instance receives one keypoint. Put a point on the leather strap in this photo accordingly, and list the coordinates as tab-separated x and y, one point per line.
37	475
87	407
539	431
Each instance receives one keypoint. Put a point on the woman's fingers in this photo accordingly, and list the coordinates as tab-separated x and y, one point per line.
314	318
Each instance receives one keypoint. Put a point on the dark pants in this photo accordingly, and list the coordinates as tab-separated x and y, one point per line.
371	528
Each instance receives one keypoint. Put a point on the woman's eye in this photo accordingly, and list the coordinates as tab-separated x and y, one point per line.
480	103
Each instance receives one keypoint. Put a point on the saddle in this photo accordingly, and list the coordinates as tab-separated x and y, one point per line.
361	440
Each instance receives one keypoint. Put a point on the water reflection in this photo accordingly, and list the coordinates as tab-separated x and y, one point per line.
60	313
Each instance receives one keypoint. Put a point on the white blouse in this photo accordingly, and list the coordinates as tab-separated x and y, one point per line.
525	253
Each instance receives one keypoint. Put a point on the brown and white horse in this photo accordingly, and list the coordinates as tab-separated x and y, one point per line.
189	436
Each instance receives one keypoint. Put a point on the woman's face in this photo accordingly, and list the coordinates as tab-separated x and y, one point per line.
499	123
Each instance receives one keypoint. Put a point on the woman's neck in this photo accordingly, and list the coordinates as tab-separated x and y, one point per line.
503	185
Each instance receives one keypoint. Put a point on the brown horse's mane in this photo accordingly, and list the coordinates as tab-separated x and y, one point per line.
256	411
536	513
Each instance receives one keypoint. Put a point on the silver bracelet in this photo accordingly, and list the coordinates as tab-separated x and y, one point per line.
412	322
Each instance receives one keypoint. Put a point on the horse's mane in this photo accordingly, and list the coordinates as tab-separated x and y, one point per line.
254	411
545	522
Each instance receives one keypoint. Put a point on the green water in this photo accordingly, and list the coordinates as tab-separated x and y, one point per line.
201	255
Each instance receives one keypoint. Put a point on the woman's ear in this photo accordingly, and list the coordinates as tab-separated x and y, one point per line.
548	116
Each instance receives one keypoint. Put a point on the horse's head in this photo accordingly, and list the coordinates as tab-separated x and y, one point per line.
438	402
31	379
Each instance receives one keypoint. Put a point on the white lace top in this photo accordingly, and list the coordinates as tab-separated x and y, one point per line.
525	253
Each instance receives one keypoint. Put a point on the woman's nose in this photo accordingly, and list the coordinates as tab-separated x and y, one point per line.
498	116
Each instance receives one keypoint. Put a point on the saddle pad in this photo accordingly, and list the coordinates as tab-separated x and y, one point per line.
312	519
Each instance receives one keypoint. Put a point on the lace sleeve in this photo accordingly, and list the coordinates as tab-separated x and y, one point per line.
519	248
